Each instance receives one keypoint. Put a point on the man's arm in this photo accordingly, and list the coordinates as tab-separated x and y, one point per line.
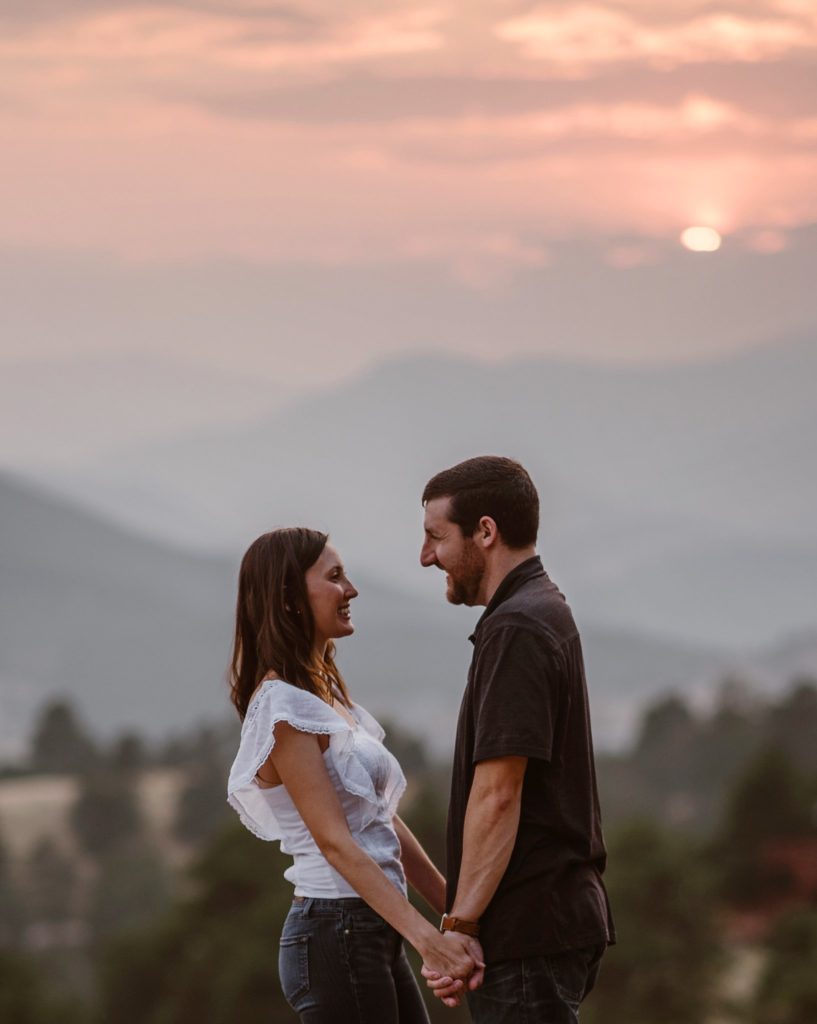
489	834
491	823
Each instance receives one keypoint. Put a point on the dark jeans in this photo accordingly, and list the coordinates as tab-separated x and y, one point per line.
341	963
539	990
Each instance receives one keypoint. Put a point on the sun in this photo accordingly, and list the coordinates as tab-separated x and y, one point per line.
701	239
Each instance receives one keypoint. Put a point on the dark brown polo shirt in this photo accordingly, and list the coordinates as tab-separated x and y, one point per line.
526	695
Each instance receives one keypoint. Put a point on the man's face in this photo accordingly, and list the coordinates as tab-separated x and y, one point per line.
459	557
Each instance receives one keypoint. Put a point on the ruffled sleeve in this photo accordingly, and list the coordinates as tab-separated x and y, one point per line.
369	722
278	701
396	781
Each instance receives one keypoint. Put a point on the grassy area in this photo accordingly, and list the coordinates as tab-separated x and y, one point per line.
38	807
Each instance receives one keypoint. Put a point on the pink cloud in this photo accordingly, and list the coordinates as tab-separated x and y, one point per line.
480	260
766	240
694	118
631	255
183	186
577	38
148	37
104	148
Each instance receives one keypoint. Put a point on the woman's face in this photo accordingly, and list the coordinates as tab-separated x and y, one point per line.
329	591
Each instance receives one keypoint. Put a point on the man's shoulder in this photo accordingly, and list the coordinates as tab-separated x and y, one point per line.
538	608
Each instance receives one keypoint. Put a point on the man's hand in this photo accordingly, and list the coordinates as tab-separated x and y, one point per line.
449	990
489	834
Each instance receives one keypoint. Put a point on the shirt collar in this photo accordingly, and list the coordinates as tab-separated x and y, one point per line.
523	572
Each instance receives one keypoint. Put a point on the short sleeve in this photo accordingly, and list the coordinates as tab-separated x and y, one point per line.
279	701
517	692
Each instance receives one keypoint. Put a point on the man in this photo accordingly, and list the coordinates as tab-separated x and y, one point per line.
524	848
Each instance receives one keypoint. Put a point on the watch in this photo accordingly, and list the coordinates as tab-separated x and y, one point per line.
458	924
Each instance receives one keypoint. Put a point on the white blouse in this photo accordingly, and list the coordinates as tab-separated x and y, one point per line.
368	780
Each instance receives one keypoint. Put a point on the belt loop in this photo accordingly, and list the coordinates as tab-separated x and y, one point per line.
307	906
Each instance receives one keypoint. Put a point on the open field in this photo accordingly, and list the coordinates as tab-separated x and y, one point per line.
38	807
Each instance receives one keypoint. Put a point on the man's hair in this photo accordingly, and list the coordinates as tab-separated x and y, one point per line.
489	485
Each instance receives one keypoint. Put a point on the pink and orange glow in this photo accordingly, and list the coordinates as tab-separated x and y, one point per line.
463	133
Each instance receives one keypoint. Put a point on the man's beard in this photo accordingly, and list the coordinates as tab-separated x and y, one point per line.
464	586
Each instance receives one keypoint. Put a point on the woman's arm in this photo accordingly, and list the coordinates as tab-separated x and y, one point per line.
420	869
297	758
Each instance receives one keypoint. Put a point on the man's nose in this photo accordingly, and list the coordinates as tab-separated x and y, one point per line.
427	558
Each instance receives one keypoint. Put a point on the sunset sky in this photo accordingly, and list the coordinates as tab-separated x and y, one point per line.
465	142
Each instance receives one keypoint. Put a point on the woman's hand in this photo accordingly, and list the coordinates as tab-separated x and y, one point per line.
449	990
450	960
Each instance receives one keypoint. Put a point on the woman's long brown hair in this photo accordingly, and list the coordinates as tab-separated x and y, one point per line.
274	628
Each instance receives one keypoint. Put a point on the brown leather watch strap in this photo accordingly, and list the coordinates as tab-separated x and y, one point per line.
457	924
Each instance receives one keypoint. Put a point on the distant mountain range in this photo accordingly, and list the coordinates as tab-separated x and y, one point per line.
100	402
138	635
677	501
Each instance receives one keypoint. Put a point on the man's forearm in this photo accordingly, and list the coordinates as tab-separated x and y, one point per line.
491	824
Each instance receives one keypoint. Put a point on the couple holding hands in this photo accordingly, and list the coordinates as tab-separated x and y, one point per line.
524	913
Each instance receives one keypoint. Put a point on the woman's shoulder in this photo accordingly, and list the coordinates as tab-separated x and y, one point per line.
277	700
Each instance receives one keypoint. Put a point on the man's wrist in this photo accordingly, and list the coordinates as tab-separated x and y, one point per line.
455	923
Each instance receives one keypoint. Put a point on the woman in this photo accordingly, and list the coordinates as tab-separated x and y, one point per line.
311	771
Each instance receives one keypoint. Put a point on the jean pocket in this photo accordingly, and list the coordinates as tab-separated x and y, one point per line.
501	987
569	974
293	967
366	920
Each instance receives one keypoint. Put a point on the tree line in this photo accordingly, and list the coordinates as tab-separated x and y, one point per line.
706	817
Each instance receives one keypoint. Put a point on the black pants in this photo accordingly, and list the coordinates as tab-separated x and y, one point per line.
341	963
539	990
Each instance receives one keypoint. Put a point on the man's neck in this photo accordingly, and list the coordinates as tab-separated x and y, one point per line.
503	562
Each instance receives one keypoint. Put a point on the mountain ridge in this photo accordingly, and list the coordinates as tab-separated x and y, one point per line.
644	468
138	636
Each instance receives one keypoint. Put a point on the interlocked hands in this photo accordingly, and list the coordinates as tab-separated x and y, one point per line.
450	986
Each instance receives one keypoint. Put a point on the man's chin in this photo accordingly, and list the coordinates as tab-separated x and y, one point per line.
457	597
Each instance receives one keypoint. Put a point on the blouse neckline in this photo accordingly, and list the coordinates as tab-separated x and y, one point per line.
354	725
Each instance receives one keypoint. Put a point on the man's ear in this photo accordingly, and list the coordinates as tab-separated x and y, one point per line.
486	533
